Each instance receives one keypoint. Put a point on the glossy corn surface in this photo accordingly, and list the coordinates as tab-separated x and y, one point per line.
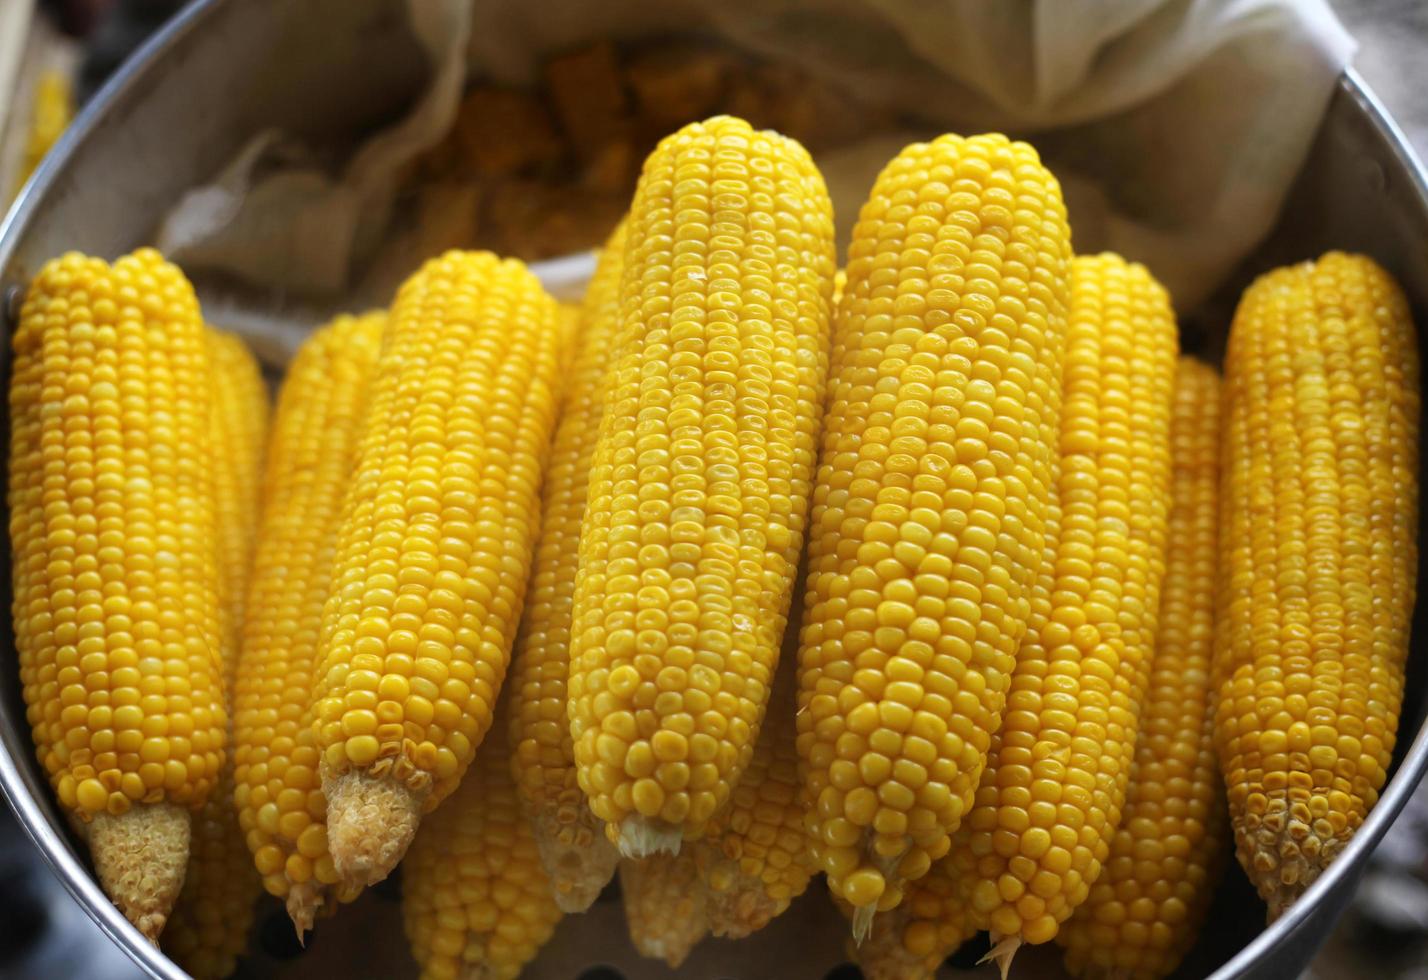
933	491
436	537
576	855
911	941
316	430
1144	912
113	535
209	925
701	478
476	901
1052	797
754	858
1318	560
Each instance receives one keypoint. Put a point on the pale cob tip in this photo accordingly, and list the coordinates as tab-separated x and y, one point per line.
141	857
1286	856
1001	953
576	856
740	906
371	821
642	837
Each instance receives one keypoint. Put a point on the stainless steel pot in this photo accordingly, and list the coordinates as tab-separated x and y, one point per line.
222	70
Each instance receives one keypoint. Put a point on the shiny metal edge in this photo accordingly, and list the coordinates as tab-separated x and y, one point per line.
58	854
1304	913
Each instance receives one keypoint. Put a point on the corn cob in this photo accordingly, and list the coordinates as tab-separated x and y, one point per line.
50	115
477	905
1143	913
701	476
928	522
434	549
754	858
573	848
911	941
281	809
209	925
1319	557
665	906
115	568
1051	798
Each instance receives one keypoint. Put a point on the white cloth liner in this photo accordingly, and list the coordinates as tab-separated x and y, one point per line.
1175	126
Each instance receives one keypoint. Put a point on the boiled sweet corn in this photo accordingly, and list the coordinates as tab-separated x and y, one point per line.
573	848
933	488
701	477
51	111
476	902
665	906
1318	560
434	549
115	564
1052	796
754	858
209	925
316	431
1143	913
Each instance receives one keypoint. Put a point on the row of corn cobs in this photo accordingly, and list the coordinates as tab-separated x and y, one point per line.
1050	575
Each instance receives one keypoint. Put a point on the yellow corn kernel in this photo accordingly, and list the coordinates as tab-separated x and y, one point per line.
665	906
573	848
434	549
115	569
911	941
1051	798
754	858
476	901
701	477
1144	911
209	925
932	497
316	431
1318	560
50	115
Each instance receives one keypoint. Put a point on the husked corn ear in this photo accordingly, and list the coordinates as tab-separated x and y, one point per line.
1144	911
1052	795
115	570
476	902
573	848
209	925
1318	560
932	494
665	906
912	940
754	858
208	929
434	548
316	430
240	433
702	473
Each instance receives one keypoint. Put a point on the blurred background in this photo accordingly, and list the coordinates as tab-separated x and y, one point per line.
54	54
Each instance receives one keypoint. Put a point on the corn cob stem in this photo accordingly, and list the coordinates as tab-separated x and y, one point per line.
665	906
141	857
370	823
